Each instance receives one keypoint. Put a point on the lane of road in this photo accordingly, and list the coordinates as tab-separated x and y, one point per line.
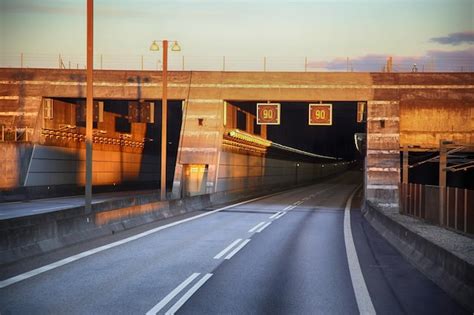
284	254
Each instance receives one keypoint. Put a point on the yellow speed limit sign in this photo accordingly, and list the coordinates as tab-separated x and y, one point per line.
320	114
268	113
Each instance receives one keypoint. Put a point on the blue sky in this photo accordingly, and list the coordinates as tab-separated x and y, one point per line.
324	30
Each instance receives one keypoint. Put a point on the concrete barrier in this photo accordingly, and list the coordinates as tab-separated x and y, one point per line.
450	271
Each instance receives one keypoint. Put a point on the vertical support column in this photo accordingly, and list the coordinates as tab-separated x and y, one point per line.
164	116
442	181
404	180
89	103
383	153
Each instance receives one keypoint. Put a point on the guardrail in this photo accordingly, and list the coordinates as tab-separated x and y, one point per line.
178	62
422	201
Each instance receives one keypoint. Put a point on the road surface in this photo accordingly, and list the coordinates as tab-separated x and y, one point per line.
288	253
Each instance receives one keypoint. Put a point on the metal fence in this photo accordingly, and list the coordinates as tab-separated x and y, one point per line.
423	201
178	61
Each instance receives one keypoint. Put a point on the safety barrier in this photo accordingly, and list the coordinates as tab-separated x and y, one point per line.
423	201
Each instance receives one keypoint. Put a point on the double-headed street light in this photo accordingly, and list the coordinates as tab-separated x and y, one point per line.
164	107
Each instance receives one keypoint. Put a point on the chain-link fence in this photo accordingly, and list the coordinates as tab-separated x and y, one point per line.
178	61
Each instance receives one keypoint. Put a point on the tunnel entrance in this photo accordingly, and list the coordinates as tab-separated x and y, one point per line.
127	144
336	140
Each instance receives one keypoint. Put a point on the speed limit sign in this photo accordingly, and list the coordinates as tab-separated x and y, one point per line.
268	113
320	114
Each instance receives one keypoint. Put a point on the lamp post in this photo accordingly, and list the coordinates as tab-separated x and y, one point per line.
164	108
89	104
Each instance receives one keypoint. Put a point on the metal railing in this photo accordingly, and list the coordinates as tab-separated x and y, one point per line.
16	134
178	61
422	201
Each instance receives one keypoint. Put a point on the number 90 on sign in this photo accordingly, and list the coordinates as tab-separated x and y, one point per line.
268	113
320	114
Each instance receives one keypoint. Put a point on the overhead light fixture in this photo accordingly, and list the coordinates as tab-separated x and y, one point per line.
154	46
175	46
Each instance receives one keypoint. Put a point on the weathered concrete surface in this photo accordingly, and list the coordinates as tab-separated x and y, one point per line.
445	257
401	106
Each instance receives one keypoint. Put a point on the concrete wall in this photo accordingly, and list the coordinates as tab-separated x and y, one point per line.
446	99
241	172
62	166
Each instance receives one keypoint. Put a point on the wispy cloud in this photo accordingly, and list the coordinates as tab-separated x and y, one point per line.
455	38
432	60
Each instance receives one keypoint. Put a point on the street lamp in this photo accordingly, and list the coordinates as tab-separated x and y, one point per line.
164	107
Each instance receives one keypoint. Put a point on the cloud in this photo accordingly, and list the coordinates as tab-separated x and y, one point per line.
455	38
432	60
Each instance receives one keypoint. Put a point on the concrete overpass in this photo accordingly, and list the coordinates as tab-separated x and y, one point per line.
404	109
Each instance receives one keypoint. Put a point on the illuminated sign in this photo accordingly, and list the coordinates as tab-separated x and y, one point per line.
320	114
268	113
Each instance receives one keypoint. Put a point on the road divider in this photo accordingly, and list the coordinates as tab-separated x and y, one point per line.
225	250
256	227
263	227
237	249
173	309
275	215
280	215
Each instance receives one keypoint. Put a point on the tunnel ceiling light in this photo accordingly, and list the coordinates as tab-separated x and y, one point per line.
154	46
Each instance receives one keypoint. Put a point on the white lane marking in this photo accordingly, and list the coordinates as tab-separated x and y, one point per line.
256	227
172	294
232	253
223	252
279	216
173	309
297	203
275	215
290	207
361	293
62	262
263	227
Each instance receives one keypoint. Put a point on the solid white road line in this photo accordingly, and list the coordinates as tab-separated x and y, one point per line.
232	253
280	215
263	227
297	203
222	253
256	227
172	294
290	207
173	309
364	302
62	262
275	215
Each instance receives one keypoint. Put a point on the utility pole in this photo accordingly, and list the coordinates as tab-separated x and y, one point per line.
89	103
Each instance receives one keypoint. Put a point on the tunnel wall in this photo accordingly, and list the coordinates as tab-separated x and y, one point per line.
240	172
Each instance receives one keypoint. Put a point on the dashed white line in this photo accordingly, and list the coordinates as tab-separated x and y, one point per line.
232	253
62	262
188	294
256	227
225	250
172	294
263	227
275	215
280	215
361	293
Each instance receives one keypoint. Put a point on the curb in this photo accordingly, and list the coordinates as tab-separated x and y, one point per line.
451	273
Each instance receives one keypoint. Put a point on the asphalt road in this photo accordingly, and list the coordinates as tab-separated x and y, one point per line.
284	254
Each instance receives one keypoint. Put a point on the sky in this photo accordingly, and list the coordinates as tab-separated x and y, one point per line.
324	31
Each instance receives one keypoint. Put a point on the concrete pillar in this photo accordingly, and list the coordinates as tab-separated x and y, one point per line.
383	153
200	140
443	158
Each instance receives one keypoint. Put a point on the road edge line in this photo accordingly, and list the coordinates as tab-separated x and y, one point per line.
361	293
